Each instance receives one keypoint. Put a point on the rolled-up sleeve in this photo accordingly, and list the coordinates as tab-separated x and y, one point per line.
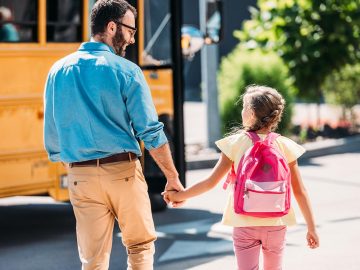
142	112
51	137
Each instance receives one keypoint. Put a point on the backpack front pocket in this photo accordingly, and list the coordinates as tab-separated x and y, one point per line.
264	196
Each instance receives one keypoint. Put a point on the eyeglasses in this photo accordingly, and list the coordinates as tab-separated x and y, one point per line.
133	32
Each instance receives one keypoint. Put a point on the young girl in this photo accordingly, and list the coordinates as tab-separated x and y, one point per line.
262	110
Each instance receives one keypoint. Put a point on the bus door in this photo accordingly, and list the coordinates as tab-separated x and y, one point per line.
159	56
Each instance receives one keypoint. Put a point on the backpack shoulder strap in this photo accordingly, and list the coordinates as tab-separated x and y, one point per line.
253	136
271	137
231	177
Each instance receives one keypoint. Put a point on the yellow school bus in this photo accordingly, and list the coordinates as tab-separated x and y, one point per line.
36	33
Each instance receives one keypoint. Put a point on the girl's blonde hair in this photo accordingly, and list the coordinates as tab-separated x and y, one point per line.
267	105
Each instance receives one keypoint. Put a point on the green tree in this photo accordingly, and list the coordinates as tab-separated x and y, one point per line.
343	86
313	37
243	67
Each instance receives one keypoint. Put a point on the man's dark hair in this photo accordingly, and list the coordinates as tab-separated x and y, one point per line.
105	11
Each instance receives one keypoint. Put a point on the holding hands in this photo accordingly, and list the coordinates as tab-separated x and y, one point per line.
173	197
176	194
169	194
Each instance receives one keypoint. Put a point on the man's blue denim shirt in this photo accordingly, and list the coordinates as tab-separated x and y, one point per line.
98	104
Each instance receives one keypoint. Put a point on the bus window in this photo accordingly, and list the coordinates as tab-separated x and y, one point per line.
18	20
132	51
157	40
64	20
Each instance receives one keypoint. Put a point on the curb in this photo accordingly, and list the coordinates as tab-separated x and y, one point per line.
313	149
331	147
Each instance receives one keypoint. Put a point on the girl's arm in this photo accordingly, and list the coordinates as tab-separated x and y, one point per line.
221	168
303	201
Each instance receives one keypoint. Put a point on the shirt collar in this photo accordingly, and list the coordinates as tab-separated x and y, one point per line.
95	46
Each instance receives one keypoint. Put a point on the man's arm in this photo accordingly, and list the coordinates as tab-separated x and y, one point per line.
51	137
163	159
142	113
148	129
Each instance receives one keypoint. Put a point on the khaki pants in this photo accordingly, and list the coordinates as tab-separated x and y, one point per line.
101	194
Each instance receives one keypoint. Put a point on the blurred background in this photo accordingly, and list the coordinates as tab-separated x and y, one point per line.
197	56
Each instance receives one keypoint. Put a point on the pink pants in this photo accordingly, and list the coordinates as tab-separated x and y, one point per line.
247	243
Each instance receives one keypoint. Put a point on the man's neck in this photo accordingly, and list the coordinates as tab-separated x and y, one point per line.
103	39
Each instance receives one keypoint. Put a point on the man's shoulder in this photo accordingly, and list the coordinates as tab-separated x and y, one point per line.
110	60
60	63
125	66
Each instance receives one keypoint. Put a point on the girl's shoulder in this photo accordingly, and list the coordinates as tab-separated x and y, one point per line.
233	144
290	148
287	142
234	139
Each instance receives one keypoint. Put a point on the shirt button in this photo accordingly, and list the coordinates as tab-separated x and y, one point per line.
75	183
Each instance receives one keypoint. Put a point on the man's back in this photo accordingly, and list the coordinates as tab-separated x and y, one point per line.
94	95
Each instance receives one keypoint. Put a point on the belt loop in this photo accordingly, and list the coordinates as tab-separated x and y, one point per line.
129	157
97	162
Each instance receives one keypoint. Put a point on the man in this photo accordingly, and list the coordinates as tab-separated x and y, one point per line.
96	104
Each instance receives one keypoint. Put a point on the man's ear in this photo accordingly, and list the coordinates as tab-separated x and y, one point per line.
111	28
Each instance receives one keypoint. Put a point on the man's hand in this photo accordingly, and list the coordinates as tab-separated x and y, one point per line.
173	185
170	195
163	159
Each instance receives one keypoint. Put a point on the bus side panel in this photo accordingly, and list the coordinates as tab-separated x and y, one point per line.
24	166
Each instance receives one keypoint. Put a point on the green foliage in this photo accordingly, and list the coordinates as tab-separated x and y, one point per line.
242	68
313	37
343	86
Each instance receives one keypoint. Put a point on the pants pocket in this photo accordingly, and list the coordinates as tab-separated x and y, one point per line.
78	188
76	184
276	238
125	179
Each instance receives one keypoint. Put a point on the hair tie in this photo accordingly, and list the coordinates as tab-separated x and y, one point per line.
265	119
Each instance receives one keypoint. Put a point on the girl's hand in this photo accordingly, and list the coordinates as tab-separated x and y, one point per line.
173	186
312	239
170	196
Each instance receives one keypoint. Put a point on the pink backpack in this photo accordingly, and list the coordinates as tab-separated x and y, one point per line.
263	179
